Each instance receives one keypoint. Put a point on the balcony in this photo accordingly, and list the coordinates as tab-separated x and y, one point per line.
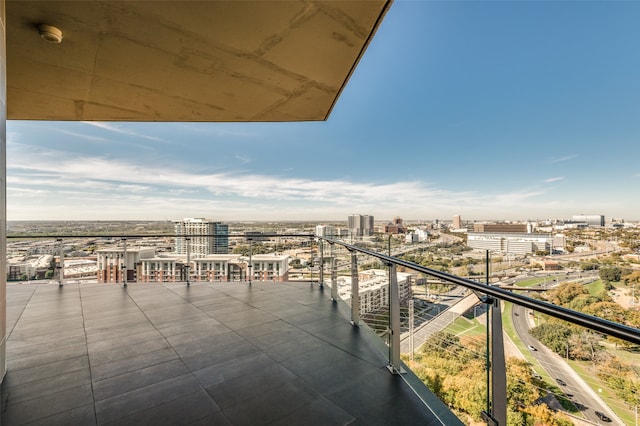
208	353
265	352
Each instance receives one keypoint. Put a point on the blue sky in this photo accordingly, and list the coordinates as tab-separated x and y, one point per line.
491	110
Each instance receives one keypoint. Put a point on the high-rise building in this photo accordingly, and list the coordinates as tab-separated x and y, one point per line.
204	237
457	222
360	225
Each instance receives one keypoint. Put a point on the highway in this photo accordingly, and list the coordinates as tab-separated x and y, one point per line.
574	388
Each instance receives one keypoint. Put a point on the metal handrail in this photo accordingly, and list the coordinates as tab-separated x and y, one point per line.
592	322
158	235
601	325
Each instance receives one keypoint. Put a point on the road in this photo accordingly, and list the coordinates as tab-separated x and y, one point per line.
574	389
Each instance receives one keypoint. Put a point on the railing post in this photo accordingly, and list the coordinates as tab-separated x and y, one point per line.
321	270
250	266
355	290
411	320
61	267
188	240
334	275
395	364
123	270
498	367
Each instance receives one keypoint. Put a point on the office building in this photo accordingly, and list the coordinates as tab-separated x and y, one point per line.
501	227
394	227
457	222
203	237
513	243
589	219
360	225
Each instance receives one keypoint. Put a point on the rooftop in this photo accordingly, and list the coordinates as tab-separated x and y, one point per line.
222	353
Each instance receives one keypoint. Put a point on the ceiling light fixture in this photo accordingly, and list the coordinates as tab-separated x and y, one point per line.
50	33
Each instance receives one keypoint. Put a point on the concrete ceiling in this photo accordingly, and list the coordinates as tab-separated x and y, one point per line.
184	60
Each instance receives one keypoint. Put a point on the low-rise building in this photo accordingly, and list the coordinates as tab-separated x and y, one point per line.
214	267
501	227
515	243
373	287
117	264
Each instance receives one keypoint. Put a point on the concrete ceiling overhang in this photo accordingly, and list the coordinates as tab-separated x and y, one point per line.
219	61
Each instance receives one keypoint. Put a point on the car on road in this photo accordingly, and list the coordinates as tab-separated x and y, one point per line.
561	382
531	348
603	417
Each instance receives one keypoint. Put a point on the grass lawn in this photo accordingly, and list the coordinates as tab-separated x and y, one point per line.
595	288
530	282
600	388
464	327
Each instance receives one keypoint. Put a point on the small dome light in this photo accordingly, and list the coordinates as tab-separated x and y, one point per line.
50	33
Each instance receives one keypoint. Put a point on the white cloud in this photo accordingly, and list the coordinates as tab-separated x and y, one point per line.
121	130
53	185
562	159
243	159
554	179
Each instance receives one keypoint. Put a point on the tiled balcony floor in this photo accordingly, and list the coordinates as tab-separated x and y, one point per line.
223	353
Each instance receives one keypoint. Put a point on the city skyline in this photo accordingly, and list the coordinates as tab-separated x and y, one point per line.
491	110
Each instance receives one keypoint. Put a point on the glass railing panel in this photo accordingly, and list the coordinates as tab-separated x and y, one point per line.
556	371
581	374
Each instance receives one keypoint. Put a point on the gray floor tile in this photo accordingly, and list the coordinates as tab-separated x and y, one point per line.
84	416
185	410
130	403
235	391
27	375
46	357
46	406
270	353
320	412
232	368
47	386
124	352
126	339
276	404
137	379
124	365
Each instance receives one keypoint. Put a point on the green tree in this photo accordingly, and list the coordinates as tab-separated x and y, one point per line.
520	391
610	274
553	334
565	293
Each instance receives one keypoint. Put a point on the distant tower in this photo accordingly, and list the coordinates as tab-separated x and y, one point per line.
360	225
205	237
457	222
